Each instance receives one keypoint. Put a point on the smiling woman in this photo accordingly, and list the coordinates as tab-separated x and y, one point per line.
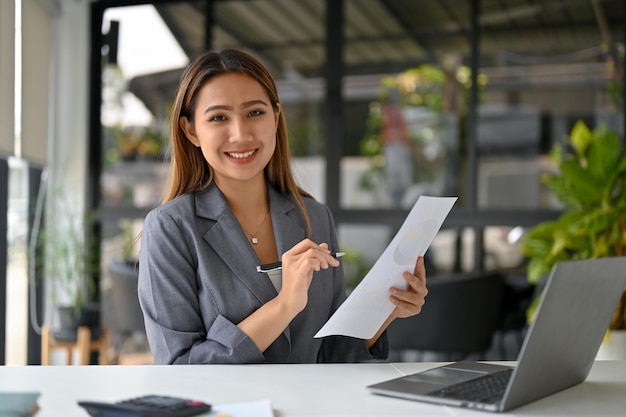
202	297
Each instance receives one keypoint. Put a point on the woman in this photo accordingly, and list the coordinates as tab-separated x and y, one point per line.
232	204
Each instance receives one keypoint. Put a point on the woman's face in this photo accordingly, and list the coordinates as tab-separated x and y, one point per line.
234	126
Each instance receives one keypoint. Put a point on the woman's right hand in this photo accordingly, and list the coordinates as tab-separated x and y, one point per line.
299	263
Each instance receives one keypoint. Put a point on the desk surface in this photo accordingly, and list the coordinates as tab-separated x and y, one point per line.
294	390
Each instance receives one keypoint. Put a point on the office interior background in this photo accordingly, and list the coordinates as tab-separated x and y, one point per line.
485	88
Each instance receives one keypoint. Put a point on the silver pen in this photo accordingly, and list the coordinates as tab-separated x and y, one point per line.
279	265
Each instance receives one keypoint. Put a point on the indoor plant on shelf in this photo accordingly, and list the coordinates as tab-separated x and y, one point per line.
591	184
69	260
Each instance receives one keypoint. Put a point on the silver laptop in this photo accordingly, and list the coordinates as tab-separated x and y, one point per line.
559	349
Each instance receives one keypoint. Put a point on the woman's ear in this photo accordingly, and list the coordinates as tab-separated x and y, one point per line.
277	115
187	127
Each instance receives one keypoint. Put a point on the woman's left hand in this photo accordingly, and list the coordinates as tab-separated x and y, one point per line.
409	302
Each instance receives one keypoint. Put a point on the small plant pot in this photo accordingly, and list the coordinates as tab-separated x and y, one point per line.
70	319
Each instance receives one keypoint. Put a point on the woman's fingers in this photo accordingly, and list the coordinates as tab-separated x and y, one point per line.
298	265
409	302
310	256
420	269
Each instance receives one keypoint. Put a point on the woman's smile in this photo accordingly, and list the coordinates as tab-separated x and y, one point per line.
241	155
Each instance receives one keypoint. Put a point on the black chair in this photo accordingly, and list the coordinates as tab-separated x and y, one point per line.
460	318
518	295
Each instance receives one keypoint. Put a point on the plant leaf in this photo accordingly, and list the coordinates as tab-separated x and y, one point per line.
603	155
579	185
580	138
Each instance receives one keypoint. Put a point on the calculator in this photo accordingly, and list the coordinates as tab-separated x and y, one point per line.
147	406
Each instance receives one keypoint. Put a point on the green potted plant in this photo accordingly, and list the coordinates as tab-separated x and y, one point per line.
69	260
126	143
149	146
591	184
432	100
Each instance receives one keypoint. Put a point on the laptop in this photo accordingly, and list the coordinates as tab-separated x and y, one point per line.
559	349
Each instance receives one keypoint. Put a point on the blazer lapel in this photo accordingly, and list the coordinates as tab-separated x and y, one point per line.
229	241
287	221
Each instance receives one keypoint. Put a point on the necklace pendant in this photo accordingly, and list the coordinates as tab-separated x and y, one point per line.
254	240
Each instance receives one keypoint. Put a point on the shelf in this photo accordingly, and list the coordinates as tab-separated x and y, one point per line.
132	187
113	213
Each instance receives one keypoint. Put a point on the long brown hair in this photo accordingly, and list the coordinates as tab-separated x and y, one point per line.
189	170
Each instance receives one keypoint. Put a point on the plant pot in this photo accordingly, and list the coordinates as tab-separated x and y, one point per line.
122	307
70	319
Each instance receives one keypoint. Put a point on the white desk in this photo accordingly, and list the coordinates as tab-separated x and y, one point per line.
294	390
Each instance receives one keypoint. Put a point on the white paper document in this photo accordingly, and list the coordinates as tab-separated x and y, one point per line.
368	306
262	408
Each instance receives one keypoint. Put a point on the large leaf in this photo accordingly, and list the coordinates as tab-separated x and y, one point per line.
579	184
536	247
561	188
616	184
603	155
574	187
536	270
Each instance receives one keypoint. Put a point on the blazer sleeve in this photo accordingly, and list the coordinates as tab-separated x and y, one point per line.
168	294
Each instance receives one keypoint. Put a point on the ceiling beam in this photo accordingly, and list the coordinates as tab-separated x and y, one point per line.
404	23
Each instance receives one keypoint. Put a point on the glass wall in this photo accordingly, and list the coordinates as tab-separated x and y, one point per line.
385	101
406	101
141	63
406	98
546	68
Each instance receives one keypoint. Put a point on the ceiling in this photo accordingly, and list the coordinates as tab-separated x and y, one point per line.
519	39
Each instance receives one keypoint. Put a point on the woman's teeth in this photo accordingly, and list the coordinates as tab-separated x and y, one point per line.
241	155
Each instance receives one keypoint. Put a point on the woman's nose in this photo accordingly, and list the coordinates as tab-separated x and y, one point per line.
240	130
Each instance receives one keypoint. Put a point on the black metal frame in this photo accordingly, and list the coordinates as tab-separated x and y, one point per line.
33	337
4	247
334	106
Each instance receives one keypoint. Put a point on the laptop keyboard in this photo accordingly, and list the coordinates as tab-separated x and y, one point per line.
485	389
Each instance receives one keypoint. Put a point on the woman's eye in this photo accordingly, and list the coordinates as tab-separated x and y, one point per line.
217	118
256	113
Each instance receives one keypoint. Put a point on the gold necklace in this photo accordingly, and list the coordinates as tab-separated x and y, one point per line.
253	236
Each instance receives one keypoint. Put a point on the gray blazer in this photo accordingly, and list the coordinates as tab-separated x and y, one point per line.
198	279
